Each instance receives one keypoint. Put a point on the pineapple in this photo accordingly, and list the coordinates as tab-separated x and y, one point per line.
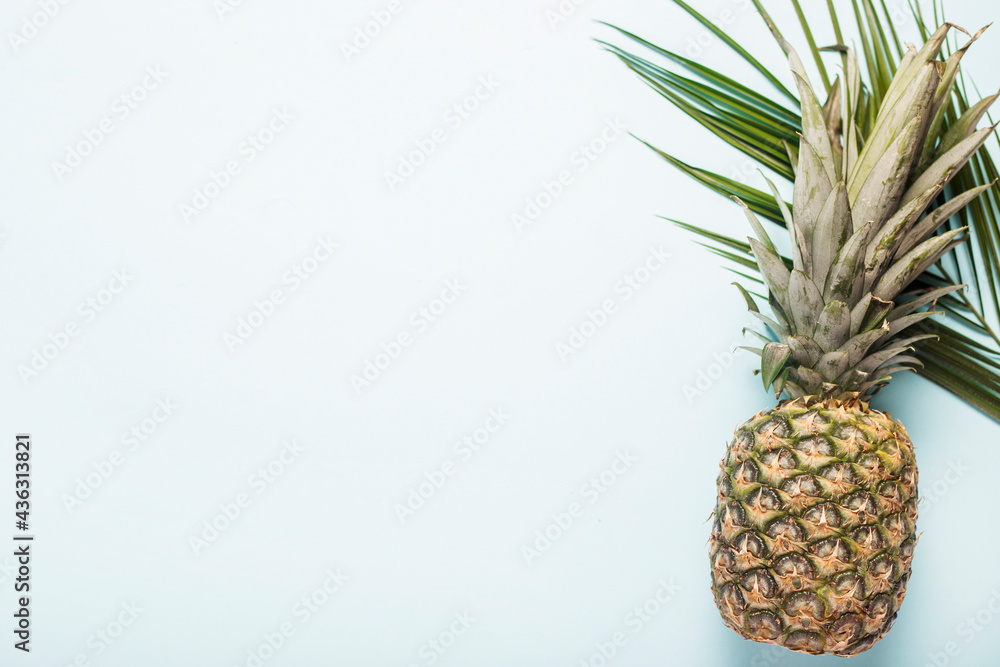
815	525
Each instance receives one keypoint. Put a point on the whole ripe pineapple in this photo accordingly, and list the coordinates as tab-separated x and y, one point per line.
815	524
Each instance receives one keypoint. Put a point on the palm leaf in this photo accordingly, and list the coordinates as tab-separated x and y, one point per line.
964	358
731	43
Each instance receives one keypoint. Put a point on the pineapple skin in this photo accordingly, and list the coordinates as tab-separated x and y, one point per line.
815	526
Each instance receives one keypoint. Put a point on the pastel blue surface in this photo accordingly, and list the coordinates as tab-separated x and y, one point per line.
340	350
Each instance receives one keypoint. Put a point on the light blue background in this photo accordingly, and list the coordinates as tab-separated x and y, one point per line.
495	346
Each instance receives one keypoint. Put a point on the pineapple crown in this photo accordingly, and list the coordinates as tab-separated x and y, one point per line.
860	227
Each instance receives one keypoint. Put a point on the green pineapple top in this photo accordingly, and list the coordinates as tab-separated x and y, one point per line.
858	227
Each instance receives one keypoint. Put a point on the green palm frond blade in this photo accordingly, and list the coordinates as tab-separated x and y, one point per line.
942	373
734	125
817	58
983	216
718	80
720	239
711	97
731	43
759	202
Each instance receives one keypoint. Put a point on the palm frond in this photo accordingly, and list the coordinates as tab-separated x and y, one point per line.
964	356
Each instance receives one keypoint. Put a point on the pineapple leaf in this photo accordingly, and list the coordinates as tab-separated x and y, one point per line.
832	365
857	346
833	228
833	326
879	194
929	223
965	125
805	351
751	304
809	198
927	297
773	360
758	228
805	301
883	138
903	323
887	240
945	167
845	277
774	271
913	263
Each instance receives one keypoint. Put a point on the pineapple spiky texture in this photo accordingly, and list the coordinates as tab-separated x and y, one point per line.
814	527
